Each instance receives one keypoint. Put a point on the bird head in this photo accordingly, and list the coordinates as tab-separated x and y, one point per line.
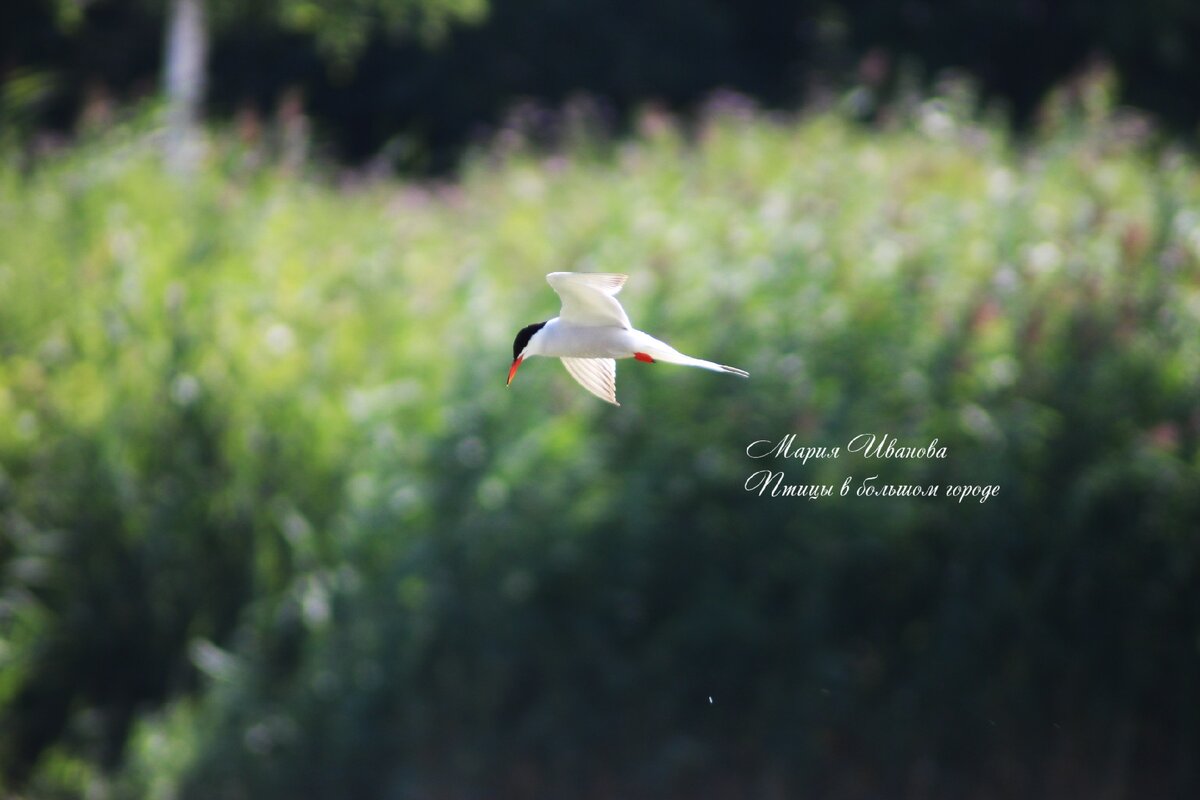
520	346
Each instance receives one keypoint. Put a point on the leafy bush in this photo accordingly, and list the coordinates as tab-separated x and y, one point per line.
274	528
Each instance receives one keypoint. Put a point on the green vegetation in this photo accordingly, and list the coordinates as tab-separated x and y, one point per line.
273	526
376	95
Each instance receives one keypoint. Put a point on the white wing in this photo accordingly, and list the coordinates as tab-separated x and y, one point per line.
588	298
597	375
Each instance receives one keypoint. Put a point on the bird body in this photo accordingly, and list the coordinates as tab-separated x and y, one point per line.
592	331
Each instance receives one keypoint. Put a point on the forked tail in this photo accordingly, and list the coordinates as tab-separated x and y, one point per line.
656	350
741	373
715	367
670	355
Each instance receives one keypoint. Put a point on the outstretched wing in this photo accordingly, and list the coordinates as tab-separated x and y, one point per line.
597	375
589	298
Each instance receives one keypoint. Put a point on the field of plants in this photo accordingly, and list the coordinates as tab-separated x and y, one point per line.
271	525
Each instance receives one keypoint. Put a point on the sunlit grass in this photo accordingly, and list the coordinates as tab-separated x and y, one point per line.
267	409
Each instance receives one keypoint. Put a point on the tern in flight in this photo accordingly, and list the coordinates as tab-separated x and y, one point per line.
592	331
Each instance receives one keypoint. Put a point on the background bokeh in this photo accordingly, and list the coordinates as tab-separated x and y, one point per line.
272	527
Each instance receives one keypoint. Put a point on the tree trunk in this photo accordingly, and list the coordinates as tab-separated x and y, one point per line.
183	81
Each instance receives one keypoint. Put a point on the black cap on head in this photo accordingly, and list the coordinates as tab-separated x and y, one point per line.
523	337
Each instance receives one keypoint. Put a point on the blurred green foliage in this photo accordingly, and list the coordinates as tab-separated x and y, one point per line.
341	29
273	527
418	107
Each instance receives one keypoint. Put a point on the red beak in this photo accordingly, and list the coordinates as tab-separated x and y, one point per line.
513	369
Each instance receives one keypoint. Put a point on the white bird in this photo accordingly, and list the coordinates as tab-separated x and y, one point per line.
592	331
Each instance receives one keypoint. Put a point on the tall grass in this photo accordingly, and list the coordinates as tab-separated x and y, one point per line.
273	526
